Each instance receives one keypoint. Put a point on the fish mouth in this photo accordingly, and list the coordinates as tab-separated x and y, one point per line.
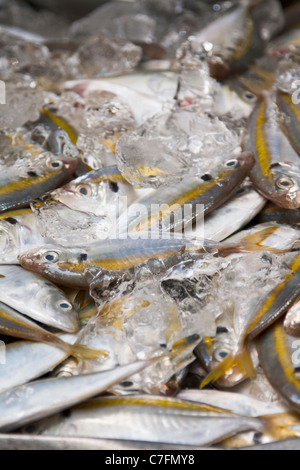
246	160
28	262
70	164
293	199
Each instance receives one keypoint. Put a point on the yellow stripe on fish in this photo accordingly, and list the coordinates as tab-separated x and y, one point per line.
261	144
284	355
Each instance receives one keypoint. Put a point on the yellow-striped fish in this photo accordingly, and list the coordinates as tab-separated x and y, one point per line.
273	306
276	173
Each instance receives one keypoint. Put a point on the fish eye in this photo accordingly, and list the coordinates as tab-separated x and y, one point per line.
232	163
114	186
220	354
51	256
84	189
241	191
56	165
249	96
206	177
285	183
66	306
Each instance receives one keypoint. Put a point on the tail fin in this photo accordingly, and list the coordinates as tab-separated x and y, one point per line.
277	426
82	352
242	361
254	241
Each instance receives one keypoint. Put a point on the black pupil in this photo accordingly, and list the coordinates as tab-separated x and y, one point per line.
126	384
11	220
240	191
114	186
50	257
230	163
55	164
64	305
83	191
206	177
221	329
284	183
223	354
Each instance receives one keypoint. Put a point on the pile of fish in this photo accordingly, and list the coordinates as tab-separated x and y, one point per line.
150	222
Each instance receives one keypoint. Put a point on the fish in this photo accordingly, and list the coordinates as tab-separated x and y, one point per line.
291	322
271	235
271	308
31	295
289	118
279	358
150	419
29	360
231	401
285	45
232	216
166	209
30	173
230	42
250	84
280	215
14	324
98	192
37	400
276	171
123	257
134	90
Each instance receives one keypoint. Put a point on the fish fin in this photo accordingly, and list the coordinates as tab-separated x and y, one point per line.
253	242
82	352
278	425
241	360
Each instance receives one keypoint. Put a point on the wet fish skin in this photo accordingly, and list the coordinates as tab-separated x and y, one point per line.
14	324
271	308
291	323
37	400
211	191
232	401
275	349
18	192
98	192
32	295
272	177
27	360
290	118
149	419
280	215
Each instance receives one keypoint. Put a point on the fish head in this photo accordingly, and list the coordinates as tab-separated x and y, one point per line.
287	181
60	308
58	264
70	164
291	322
245	160
44	259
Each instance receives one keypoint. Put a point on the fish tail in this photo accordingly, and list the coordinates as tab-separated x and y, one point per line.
241	360
279	425
254	241
82	352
